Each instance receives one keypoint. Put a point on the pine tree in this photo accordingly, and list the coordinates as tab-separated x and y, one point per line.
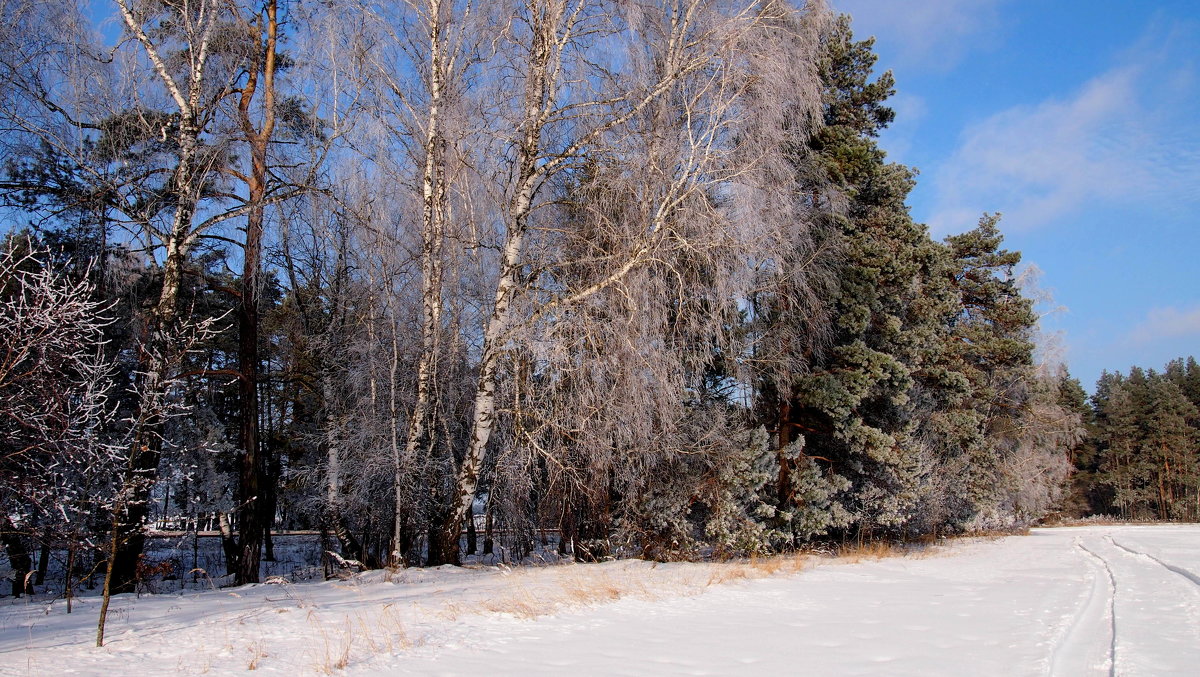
1147	438
1086	495
988	351
1170	448
1122	467
854	409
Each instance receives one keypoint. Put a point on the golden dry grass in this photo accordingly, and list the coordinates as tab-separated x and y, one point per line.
852	553
358	637
580	590
756	567
519	607
257	653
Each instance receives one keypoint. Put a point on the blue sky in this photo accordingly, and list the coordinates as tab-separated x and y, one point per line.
1080	122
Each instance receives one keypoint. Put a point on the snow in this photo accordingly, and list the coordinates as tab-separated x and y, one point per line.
1094	600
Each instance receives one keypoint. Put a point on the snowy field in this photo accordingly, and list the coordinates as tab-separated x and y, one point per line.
1098	600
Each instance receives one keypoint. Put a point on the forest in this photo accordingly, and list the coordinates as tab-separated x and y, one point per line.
436	277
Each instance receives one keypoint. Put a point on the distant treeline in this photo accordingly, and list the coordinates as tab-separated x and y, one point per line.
1141	457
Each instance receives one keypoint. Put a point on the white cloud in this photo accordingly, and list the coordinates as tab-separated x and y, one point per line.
1163	323
933	34
1127	137
897	138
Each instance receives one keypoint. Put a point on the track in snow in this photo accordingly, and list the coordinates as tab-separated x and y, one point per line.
1078	652
1156	626
1191	577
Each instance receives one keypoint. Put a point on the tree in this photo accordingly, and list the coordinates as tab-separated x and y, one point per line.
1147	439
437	41
854	407
253	517
1171	442
54	381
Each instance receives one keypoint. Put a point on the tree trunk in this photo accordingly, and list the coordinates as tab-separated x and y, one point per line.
488	542
229	544
520	207
106	596
472	535
253	519
43	561
157	355
140	476
270	506
332	518
398	545
159	344
443	531
784	480
68	583
18	557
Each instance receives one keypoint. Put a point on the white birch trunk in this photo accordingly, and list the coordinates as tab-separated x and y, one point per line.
553	23
333	454
433	223
397	460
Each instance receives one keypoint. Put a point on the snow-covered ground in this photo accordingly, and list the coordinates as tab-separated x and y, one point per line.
1121	600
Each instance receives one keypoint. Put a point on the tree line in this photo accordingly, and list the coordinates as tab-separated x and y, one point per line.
1141	457
636	273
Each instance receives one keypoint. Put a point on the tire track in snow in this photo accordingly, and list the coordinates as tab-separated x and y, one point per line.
1111	611
1160	625
1070	650
1189	576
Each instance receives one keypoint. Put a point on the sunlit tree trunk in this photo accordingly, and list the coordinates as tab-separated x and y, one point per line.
253	518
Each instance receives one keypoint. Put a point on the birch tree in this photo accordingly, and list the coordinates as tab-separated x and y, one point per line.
187	76
644	380
569	108
417	78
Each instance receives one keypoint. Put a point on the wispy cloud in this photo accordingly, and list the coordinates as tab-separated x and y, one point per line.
1164	323
1126	137
897	138
933	34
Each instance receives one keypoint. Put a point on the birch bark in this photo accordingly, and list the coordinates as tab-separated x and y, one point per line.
158	348
553	26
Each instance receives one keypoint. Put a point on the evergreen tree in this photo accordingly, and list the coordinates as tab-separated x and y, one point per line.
1086	495
854	408
1122	467
1146	435
1170	449
988	352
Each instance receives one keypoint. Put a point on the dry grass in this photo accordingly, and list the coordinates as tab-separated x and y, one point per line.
257	653
727	572
574	590
853	553
363	636
391	625
335	650
451	611
756	567
524	607
581	590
